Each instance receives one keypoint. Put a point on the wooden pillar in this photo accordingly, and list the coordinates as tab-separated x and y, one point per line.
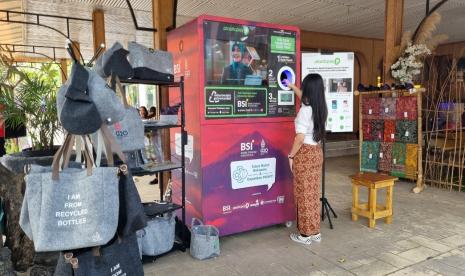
394	14
98	29
64	70
162	18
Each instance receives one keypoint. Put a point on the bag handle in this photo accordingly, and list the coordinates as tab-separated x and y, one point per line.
67	152
64	152
199	222
101	147
105	139
78	151
119	87
58	155
110	140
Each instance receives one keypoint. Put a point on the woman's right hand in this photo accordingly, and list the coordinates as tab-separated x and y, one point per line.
294	88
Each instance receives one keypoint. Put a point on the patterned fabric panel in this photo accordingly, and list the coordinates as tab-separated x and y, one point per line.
406	108
398	159
407	131
385	157
366	128
411	161
389	131
371	107
370	154
377	130
388	108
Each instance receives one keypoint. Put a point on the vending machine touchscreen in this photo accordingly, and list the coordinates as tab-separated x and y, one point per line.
245	69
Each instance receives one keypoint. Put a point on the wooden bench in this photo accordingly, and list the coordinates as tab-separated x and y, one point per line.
372	210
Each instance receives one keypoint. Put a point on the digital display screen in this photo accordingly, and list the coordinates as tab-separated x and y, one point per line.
247	65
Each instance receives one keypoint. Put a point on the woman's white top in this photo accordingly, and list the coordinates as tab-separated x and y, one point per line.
304	124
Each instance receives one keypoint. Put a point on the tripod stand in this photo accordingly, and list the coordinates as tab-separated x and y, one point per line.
325	206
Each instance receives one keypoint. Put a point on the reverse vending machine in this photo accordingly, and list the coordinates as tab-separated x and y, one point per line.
239	120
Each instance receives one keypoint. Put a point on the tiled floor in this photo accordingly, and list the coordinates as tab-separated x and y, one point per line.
427	237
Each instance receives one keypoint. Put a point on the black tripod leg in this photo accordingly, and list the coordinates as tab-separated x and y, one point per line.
322	209
329	217
330	208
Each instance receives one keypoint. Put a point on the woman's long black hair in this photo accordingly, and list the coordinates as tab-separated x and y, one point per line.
313	94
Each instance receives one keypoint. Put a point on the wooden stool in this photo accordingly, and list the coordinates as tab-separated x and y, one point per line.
372	210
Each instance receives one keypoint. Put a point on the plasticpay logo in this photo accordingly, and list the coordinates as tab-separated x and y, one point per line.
335	61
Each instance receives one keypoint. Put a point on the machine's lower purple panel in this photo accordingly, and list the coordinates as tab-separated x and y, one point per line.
246	176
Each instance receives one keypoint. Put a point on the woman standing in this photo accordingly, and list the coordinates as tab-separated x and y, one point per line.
306	157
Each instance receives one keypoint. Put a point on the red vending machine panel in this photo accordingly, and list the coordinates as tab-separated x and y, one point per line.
239	119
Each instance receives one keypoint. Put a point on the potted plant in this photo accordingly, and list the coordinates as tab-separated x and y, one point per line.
28	97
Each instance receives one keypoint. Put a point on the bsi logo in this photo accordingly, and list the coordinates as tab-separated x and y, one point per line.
226	208
247	146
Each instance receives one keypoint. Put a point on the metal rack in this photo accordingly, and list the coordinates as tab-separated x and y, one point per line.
172	166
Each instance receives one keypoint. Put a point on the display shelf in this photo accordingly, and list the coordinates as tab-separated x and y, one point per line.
152	82
148	128
165	167
155	169
396	93
153	209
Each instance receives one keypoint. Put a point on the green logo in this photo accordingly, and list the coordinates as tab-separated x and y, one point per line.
342	117
330	119
235	29
335	61
341	127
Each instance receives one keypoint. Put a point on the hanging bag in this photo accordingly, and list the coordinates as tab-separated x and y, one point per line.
78	113
150	64
129	132
158	237
114	61
74	208
131	213
205	240
109	107
120	257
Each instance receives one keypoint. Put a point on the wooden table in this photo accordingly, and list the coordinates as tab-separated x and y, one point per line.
372	210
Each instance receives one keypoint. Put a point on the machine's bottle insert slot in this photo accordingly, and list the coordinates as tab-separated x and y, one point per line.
286	73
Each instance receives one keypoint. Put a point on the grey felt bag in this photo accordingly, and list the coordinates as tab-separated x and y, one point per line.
109	106
158	236
118	258
74	208
129	132
150	64
77	104
205	240
131	214
114	60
